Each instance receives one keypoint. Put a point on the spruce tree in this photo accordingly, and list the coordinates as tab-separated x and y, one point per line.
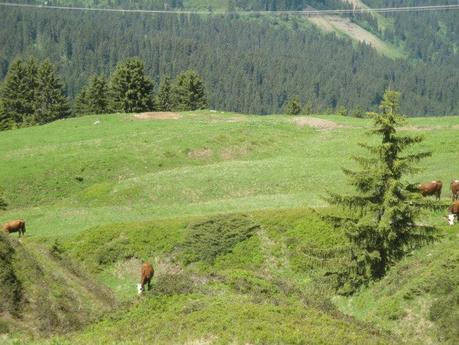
5	120
93	98
293	107
82	102
130	90
190	91
18	93
164	98
380	219
51	103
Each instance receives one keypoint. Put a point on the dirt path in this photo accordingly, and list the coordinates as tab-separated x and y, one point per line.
158	116
317	123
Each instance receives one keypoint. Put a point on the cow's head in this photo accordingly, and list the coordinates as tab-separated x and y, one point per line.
451	218
139	289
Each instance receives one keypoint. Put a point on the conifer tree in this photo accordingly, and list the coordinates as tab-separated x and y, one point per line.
93	98
130	90
190	91
293	107
380	219
5	121
82	102
18	93
164	98
51	103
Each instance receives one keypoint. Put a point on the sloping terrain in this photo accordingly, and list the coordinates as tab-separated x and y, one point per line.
418	299
228	209
44	293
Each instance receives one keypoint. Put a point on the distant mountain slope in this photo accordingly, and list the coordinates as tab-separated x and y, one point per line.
255	64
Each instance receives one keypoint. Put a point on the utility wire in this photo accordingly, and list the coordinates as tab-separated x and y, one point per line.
308	12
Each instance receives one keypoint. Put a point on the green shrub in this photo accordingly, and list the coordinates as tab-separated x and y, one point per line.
248	283
208	239
115	250
173	284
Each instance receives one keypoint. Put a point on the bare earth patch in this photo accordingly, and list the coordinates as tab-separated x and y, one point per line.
158	116
316	123
232	153
203	153
128	268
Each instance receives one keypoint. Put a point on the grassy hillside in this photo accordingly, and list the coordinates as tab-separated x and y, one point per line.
73	174
44	293
221	204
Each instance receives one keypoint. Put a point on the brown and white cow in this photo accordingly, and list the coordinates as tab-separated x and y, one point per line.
455	189
431	188
146	274
453	213
15	226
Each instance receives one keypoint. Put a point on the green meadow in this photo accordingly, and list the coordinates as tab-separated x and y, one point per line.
227	208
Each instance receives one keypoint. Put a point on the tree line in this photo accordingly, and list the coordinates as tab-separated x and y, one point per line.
33	93
249	64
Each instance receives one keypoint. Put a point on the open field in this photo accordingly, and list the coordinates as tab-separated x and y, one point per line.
75	174
101	197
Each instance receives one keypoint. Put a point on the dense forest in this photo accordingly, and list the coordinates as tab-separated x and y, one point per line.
250	64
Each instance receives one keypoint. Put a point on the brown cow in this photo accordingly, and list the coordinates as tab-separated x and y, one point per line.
146	274
453	212
455	189
430	188
15	226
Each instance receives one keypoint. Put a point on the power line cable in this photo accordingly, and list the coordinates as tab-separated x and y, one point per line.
311	12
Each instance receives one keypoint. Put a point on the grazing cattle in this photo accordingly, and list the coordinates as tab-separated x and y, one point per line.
453	212
455	189
15	226
431	188
146	274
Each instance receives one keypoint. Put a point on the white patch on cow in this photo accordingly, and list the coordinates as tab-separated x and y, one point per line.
139	289
451	219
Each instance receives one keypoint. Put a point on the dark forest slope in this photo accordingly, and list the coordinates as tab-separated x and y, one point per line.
251	64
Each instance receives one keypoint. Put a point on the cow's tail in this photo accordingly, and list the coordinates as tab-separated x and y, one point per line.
23	228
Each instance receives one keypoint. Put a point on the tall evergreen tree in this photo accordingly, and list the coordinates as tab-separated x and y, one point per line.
51	103
293	107
380	220
190	91
164	98
18	93
93	98
82	102
5	120
130	90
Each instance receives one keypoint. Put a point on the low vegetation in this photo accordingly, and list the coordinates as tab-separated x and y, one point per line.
231	221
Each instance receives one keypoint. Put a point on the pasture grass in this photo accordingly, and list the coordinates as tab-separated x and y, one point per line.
111	195
72	174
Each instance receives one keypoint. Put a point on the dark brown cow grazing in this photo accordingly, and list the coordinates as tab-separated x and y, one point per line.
455	189
15	226
453	212
146	274
431	188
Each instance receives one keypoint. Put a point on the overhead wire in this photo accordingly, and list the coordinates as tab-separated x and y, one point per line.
306	12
